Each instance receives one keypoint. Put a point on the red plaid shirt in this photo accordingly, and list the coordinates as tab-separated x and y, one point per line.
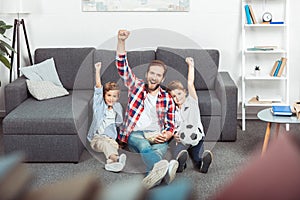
137	93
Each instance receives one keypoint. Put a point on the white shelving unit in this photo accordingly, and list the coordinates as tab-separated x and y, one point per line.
259	34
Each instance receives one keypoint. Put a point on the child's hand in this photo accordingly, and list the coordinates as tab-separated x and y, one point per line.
123	35
177	138
98	66
190	61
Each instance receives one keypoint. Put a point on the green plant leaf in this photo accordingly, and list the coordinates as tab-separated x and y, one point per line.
6	45
5	48
5	61
4	51
4	27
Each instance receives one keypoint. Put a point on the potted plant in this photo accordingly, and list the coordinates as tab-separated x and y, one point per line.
5	48
257	70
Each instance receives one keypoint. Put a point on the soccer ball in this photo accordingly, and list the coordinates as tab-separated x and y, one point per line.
190	135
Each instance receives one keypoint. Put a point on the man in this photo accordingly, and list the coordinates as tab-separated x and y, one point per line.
149	114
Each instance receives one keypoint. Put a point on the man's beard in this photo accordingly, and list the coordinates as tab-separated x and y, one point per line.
150	89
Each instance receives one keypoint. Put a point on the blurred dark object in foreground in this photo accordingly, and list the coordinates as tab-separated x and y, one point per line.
275	175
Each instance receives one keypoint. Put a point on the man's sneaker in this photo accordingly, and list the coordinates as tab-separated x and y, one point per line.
122	159
156	175
207	157
182	158
114	167
171	173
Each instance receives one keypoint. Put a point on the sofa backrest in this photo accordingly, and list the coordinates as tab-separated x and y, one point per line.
138	61
206	65
74	65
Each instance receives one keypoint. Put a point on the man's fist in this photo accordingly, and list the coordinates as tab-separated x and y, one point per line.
123	35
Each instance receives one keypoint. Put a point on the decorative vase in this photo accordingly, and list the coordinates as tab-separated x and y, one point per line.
257	72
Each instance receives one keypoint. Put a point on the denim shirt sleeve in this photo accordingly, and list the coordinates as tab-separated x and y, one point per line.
98	107
98	98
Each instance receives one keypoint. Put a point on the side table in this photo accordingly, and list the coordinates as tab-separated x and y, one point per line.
267	116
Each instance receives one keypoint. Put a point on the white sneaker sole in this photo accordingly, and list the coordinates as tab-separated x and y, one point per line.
114	167
171	174
122	159
156	175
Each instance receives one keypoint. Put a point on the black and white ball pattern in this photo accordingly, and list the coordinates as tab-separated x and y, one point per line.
191	135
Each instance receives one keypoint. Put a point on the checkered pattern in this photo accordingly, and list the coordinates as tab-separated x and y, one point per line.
165	106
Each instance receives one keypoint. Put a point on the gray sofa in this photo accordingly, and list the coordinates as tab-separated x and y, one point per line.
55	130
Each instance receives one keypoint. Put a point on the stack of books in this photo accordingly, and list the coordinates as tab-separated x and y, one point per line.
250	17
282	110
262	48
278	67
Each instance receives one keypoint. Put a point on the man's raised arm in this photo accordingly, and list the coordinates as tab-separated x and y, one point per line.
122	36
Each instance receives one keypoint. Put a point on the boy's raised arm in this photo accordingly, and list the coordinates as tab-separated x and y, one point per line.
97	74
191	77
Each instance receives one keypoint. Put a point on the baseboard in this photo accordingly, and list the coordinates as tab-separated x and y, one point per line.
248	115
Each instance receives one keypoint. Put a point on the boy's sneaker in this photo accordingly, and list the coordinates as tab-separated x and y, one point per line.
122	159
207	157
114	167
171	173
182	158
156	175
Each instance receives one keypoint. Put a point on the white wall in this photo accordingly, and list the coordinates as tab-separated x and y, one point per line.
211	24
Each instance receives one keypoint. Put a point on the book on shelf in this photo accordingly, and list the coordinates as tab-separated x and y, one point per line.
274	68
248	16
265	46
264	100
283	64
278	22
14	176
262	48
254	100
278	67
252	14
282	110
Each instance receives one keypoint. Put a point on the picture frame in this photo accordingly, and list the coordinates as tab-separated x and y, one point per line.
135	5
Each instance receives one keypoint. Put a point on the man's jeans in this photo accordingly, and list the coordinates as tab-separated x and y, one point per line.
151	153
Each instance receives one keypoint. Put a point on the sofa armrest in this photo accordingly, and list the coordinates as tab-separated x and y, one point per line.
15	93
226	91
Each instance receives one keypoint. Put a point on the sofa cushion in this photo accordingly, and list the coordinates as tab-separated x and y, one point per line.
69	63
44	71
42	90
63	115
206	64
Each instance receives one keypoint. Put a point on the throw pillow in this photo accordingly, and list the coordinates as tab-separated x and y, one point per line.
44	71
42	90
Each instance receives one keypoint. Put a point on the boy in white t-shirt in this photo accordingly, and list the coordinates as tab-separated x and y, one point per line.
189	134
